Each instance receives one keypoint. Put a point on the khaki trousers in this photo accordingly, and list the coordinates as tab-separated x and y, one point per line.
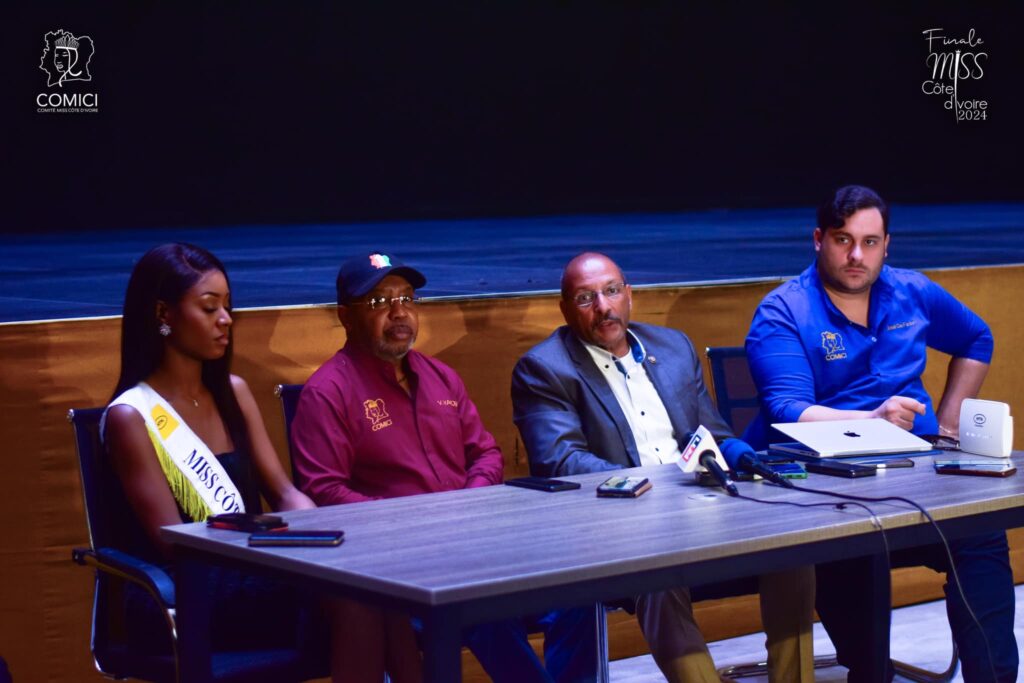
787	612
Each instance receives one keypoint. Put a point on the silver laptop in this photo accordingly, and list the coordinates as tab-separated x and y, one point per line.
846	438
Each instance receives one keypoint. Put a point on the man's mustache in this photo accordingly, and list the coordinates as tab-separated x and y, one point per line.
611	317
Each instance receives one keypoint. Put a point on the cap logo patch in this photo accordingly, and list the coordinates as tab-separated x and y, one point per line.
379	261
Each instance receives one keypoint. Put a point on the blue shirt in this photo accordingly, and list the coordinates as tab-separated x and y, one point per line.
803	351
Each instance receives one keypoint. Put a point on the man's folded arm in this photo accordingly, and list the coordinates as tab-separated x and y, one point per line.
550	424
785	383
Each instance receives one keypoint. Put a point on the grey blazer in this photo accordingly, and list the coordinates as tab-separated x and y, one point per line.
567	414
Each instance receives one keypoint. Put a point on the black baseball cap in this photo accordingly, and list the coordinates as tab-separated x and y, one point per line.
359	275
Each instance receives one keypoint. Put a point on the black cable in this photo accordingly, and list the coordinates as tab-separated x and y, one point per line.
931	520
875	520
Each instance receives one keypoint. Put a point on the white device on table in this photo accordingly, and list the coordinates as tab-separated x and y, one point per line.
986	428
845	438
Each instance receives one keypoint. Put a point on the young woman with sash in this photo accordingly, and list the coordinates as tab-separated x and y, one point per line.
185	436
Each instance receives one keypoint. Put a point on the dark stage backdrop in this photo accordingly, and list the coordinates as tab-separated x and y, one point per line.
242	113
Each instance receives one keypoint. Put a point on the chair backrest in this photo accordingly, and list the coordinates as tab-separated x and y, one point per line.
86	425
733	385
110	520
289	395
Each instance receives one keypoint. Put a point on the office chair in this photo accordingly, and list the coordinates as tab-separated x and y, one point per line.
113	534
289	396
737	402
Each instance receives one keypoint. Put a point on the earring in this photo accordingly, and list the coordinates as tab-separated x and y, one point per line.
165	329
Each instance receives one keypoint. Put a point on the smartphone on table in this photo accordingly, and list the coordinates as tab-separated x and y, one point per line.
975	468
840	469
543	484
297	538
623	487
245	521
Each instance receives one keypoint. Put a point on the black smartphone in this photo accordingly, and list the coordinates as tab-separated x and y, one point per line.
297	538
884	463
977	469
623	487
543	484
776	458
840	469
244	521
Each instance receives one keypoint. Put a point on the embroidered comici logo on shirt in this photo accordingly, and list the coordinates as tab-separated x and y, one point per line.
832	342
379	261
376	414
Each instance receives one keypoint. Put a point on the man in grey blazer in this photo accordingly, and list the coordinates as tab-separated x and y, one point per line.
602	393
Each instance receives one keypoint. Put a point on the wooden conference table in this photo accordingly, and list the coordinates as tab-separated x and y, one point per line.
466	557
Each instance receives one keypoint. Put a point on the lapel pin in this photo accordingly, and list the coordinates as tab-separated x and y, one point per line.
652	360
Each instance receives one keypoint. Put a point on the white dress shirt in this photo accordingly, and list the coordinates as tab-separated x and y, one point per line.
639	400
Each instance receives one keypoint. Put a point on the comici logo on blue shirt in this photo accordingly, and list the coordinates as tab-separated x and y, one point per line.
832	342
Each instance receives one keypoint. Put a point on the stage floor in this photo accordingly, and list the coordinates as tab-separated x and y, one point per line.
84	273
920	636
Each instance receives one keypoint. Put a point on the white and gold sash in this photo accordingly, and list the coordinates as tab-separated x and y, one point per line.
198	481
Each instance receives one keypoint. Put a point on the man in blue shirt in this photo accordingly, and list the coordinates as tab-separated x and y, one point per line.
847	339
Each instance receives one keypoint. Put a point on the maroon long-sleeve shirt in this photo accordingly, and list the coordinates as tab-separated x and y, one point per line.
358	436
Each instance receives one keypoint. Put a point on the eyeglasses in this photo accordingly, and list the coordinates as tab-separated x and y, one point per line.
377	303
612	292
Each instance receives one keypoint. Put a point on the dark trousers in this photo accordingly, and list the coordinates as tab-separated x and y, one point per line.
570	647
854	598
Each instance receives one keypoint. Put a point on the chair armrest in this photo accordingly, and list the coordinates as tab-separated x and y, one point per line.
152	578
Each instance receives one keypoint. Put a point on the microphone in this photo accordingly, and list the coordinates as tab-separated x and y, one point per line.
701	441
702	452
740	456
708	461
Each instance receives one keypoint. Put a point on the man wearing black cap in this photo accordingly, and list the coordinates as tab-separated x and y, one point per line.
379	420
